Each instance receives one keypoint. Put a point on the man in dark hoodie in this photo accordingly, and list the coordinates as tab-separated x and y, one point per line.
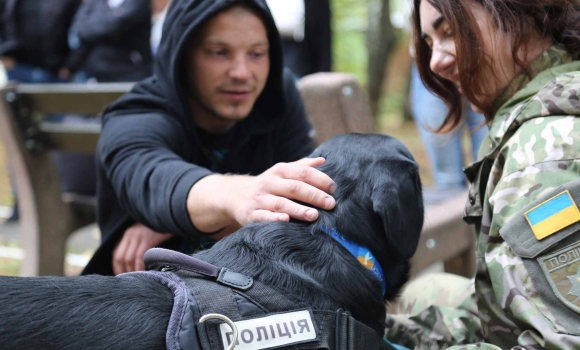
218	103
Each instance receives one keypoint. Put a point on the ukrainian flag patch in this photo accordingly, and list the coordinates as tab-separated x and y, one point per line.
553	215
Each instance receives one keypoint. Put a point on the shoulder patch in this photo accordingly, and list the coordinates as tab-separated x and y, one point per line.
553	215
562	269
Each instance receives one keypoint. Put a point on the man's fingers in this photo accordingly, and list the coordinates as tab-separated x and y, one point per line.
268	216
310	176
129	258
294	210
118	257
139	254
303	192
311	162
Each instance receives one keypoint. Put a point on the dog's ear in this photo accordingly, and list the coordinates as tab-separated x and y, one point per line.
397	199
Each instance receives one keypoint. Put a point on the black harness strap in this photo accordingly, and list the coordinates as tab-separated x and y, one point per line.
335	330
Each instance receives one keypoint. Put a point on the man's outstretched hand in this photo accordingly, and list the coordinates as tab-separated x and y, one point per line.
269	196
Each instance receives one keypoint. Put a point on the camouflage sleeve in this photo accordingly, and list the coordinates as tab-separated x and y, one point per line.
434	312
520	301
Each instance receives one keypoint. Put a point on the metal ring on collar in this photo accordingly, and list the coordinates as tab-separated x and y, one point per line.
229	323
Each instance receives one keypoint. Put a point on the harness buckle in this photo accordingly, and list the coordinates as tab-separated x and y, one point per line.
228	322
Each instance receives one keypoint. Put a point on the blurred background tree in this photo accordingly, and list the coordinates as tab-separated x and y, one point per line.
369	40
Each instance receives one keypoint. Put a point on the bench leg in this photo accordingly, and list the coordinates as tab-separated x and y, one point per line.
463	264
46	222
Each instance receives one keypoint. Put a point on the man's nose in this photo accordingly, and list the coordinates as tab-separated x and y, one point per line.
240	68
441	62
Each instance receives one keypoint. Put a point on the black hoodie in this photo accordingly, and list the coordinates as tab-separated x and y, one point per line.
150	152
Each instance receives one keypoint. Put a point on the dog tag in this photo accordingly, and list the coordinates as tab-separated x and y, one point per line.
271	331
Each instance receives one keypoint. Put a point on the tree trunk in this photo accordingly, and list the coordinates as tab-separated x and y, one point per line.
381	41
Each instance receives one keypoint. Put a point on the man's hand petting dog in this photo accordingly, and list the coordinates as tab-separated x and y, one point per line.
233	200
129	252
267	197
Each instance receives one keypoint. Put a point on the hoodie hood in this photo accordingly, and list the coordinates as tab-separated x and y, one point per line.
165	90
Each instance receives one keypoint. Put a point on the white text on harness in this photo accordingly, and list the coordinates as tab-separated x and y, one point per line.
271	331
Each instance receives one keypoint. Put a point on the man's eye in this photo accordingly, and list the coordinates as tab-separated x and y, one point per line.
258	54
218	52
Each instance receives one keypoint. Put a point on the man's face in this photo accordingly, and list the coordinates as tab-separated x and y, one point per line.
227	68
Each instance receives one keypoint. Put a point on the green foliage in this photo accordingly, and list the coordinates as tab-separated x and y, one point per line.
349	26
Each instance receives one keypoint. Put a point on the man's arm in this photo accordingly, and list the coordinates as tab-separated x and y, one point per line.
159	189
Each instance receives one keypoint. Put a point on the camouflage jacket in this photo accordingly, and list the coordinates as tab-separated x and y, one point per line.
527	298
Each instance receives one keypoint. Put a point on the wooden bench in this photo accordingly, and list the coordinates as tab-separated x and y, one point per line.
335	103
47	216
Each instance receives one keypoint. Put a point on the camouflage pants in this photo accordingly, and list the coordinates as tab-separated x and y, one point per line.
435	311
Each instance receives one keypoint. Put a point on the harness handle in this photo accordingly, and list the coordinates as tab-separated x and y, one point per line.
167	260
228	322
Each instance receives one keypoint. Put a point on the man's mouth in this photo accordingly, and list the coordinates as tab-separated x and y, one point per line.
237	95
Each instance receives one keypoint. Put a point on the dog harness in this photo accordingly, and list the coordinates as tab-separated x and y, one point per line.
216	308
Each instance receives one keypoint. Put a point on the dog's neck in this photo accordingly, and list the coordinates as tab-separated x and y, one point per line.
362	254
302	264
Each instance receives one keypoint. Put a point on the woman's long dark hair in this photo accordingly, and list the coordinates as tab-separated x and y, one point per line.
559	19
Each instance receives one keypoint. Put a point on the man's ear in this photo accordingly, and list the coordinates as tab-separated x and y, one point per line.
397	199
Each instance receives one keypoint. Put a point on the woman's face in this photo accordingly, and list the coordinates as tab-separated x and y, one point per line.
436	32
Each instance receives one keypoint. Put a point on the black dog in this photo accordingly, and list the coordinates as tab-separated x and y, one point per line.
379	206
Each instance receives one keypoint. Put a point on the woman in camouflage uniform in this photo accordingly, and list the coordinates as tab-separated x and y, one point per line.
517	62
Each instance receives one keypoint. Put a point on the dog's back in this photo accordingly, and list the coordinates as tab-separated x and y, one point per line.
88	312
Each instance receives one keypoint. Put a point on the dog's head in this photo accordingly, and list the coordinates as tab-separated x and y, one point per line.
379	207
379	200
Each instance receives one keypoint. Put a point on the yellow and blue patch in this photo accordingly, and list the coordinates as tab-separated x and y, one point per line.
553	215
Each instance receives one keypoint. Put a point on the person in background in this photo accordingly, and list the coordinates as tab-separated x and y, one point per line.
306	34
444	150
33	43
33	38
110	41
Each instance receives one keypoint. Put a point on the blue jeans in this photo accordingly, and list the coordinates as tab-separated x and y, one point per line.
34	75
444	150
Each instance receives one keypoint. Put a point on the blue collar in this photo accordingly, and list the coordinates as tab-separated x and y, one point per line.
362	254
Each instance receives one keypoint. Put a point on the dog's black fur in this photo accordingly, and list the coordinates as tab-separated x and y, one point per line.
379	205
